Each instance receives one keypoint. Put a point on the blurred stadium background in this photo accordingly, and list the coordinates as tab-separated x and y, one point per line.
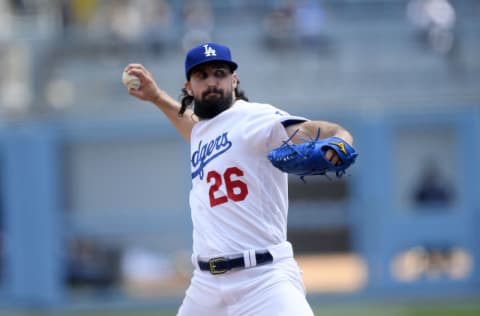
94	216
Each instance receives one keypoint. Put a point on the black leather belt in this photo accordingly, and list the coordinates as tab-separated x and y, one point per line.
221	265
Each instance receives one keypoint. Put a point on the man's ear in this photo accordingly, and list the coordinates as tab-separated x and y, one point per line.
188	88
234	80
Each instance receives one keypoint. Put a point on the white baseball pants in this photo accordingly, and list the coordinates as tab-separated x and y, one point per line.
271	289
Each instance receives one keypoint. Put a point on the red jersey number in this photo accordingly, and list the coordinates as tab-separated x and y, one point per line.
237	190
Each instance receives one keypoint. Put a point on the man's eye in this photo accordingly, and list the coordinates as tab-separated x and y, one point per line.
199	75
220	73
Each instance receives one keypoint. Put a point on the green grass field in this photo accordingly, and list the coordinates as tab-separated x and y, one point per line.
445	308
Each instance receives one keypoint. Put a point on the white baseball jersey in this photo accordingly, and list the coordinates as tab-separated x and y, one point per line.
238	199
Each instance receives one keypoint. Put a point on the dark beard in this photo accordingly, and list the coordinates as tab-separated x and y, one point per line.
211	107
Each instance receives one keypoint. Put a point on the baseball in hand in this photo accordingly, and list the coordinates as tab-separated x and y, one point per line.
130	81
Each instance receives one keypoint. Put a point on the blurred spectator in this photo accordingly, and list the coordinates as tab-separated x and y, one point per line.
83	10
125	20
6	33
6	22
278	26
199	22
2	228
91	265
433	188
15	91
15	95
296	24
77	13
434	21
158	20
18	6
309	22
147	25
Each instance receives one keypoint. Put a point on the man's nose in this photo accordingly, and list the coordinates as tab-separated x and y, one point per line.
211	81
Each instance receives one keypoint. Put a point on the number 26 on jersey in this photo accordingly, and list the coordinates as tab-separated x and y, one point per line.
229	182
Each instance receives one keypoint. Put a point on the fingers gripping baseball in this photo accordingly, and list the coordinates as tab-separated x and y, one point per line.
148	89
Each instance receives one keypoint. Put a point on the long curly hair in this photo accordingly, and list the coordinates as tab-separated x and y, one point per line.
187	100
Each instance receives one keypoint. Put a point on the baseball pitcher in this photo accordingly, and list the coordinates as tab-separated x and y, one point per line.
240	155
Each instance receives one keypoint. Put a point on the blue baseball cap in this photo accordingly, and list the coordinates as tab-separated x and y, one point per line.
205	53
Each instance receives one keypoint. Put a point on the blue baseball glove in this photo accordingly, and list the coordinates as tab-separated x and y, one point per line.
308	159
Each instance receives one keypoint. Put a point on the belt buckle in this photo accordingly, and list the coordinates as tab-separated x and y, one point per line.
213	267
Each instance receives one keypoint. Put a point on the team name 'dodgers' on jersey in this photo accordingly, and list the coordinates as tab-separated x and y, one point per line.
209	151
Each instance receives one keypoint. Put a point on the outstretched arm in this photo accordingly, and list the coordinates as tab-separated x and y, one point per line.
149	91
309	130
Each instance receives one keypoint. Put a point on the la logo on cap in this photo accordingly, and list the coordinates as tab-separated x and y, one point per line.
209	51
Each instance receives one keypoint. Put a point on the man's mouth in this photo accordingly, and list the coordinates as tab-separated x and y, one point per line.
212	93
